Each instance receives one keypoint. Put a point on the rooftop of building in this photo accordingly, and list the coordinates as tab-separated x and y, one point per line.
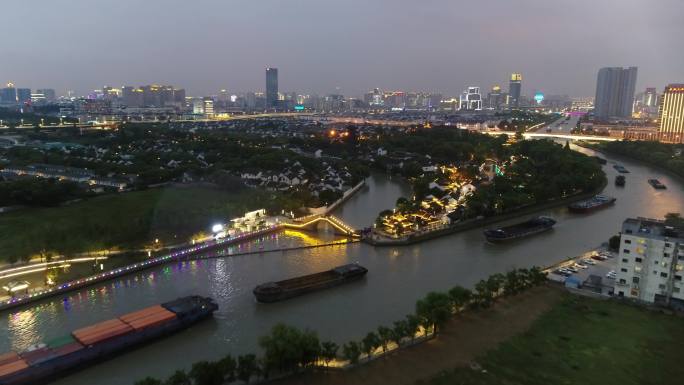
652	228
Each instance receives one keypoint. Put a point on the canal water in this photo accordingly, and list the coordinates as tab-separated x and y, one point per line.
397	277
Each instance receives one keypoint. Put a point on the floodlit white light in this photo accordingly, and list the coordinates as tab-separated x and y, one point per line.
217	228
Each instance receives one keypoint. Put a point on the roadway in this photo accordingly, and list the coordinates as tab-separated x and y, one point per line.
558	129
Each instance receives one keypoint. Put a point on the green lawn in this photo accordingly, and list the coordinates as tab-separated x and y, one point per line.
585	341
126	220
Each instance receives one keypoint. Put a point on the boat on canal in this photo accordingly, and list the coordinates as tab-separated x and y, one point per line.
520	230
46	361
294	287
656	184
620	180
594	203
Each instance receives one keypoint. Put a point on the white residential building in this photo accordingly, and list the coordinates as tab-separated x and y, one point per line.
651	262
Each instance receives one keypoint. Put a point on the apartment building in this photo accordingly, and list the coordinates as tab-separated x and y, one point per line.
651	262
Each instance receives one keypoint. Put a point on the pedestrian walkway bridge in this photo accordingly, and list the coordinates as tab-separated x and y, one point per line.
311	222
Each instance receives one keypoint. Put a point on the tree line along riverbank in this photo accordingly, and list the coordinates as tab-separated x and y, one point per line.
290	351
664	156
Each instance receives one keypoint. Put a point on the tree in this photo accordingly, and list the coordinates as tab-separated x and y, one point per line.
287	348
483	295
206	373
148	381
385	335
228	365
537	276
434	310
400	330
351	351
329	351
494	283
247	366
309	348
614	242
513	284
459	297
179	377
412	325
370	342
525	278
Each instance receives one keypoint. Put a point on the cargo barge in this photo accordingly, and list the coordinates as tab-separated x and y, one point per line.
656	184
519	230
592	204
621	169
294	287
620	180
53	359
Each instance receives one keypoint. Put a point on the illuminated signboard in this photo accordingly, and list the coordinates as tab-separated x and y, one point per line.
299	107
539	97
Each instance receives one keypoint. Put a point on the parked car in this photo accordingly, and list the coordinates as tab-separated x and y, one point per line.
588	261
580	266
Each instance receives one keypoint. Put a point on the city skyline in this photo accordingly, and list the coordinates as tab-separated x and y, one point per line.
507	38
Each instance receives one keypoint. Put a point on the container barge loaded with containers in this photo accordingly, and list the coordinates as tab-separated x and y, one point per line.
278	291
44	362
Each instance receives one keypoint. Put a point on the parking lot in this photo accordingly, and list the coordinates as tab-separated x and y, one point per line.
596	263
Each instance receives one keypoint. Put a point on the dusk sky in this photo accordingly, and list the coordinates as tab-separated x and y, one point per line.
354	45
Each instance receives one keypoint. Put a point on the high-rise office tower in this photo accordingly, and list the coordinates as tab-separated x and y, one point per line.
494	98
471	100
271	87
671	114
179	95
650	97
23	95
132	97
208	104
615	92
8	94
514	90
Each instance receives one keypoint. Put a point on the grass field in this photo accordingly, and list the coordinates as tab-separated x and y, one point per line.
584	341
122	220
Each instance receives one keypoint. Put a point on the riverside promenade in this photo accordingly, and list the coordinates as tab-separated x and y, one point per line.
377	239
198	251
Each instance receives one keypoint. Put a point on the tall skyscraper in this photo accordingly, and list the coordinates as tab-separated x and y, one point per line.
132	97
8	94
23	95
514	90
471	100
271	87
650	97
208	104
615	92
494	98
671	114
